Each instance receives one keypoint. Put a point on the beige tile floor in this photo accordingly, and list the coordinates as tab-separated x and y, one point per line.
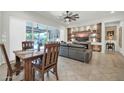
102	67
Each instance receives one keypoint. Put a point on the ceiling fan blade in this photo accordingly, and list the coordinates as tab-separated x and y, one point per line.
72	16
75	15
70	13
73	19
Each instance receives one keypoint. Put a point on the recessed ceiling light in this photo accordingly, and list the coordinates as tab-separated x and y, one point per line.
112	12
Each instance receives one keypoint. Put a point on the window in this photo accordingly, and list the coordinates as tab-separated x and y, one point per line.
40	33
29	26
54	34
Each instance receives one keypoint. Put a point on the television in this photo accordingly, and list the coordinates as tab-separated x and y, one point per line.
82	39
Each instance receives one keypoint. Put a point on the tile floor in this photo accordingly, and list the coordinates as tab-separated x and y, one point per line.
102	67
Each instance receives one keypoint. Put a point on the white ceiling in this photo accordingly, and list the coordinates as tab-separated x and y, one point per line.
85	16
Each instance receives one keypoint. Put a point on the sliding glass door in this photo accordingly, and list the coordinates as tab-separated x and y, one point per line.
37	33
40	33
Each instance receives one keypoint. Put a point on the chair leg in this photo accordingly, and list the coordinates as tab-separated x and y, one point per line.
6	79
56	73
33	71
42	76
47	73
7	75
10	78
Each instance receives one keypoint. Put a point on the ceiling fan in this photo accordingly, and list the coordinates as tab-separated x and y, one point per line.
69	16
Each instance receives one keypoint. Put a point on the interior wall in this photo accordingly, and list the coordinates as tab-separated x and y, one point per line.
17	35
121	50
63	35
5	32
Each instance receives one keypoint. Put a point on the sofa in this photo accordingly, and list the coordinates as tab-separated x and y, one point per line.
76	52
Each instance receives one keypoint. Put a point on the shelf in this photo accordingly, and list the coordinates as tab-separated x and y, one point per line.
96	48
97	31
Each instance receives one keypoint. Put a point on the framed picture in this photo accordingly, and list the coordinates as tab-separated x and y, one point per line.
120	37
111	32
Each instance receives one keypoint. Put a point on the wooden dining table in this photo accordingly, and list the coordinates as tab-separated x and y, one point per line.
27	57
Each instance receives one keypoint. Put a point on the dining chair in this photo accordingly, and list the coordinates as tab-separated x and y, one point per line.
49	61
27	45
11	70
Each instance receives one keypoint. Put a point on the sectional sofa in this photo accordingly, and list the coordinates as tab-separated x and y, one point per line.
76	52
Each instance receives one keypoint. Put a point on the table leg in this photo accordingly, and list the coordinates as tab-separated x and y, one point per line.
28	70
18	64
